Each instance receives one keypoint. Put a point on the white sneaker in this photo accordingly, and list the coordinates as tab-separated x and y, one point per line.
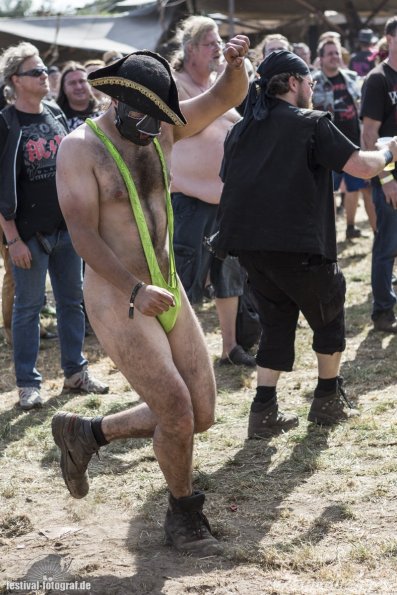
29	397
83	382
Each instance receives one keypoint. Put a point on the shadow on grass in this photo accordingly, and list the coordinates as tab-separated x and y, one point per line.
358	316
374	364
233	490
243	484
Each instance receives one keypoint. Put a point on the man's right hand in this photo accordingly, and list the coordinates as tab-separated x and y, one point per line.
390	192
20	255
152	300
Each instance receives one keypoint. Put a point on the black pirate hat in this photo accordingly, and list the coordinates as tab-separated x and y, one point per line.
142	80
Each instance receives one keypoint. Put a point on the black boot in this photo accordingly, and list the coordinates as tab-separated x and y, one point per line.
187	528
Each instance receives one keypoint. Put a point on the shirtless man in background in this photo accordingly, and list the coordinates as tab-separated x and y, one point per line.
137	307
197	187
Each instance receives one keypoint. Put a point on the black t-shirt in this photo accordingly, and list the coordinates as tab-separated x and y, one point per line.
278	192
38	208
76	118
345	113
379	101
362	62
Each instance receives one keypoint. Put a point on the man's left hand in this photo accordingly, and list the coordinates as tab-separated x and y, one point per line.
235	51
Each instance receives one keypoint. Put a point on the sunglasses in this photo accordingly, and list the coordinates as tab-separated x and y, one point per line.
35	72
149	126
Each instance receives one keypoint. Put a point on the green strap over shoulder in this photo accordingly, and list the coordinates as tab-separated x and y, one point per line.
146	240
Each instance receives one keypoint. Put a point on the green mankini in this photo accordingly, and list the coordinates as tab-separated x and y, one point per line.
166	319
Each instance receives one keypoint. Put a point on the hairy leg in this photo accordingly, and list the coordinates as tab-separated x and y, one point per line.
171	373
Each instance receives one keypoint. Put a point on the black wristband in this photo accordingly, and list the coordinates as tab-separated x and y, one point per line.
134	292
388	155
14	241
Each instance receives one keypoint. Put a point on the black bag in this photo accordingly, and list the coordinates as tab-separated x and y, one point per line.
248	328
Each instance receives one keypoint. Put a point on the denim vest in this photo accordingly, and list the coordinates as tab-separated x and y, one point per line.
323	95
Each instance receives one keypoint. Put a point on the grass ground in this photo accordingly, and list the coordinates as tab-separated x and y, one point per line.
313	511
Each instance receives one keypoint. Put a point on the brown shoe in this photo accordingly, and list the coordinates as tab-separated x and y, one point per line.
332	408
270	421
187	528
73	435
386	322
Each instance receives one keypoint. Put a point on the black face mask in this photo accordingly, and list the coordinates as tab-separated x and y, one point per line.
132	128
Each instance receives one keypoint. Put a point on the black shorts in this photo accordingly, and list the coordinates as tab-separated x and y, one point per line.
227	277
285	284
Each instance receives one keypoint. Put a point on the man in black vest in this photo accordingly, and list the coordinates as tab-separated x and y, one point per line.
38	242
277	214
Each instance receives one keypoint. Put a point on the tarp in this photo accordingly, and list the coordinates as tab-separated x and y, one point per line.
122	33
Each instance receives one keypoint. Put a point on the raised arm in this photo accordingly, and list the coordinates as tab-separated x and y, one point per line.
229	91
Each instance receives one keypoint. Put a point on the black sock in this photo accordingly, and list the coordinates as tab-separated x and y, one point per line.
326	386
264	395
96	426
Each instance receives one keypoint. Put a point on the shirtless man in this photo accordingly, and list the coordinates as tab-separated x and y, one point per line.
139	311
197	187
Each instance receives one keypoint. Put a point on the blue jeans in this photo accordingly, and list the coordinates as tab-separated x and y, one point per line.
383	253
65	269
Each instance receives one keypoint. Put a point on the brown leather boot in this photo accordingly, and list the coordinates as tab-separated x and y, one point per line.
187	528
270	421
331	408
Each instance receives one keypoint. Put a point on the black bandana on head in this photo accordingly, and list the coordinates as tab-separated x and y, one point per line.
275	63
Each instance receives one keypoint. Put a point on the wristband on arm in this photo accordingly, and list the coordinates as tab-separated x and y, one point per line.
135	290
387	179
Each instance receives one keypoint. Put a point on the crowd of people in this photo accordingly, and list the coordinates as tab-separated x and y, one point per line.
127	165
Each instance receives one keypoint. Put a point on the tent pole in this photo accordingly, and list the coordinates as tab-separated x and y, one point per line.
231	18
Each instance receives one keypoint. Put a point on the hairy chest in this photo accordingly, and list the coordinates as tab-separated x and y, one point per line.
142	171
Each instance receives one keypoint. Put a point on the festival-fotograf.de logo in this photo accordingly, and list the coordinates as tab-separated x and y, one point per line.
51	572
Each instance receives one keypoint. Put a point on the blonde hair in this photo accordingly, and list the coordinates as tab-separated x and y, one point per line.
10	63
190	32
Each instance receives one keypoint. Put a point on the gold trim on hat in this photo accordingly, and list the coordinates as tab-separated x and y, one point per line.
118	80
